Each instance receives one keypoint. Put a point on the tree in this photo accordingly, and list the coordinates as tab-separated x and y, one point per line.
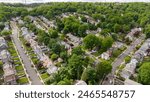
51	42
53	33
5	33
147	31
103	68
91	41
65	82
60	25
1	64
89	76
97	16
117	28
127	59
83	19
144	74
2	26
56	48
66	30
43	37
144	21
64	55
75	66
24	13
105	32
27	19
126	28
92	26
54	57
82	30
114	36
106	43
78	51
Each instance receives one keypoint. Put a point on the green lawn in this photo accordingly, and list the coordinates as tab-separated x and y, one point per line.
14	54
45	75
16	58
17	63
22	80
21	73
19	68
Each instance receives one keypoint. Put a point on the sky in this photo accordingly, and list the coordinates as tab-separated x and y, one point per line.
44	1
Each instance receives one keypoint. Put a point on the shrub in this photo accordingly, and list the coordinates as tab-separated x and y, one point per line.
54	57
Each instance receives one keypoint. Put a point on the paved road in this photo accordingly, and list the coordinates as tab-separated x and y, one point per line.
28	66
120	59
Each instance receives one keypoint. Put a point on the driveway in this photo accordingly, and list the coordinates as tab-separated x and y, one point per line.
26	61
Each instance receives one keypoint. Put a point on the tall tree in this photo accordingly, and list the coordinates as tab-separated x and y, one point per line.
106	43
144	74
91	41
89	76
75	66
103	68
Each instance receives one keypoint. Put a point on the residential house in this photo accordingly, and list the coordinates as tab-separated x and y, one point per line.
75	40
6	28
60	60
44	48
139	55
134	32
38	26
9	74
38	50
105	56
52	69
31	18
27	35
24	31
129	69
3	44
80	82
142	52
131	82
90	20
67	46
117	44
5	56
94	31
49	23
20	22
148	52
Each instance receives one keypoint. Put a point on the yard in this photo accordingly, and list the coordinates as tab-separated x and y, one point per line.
44	76
22	80
17	63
